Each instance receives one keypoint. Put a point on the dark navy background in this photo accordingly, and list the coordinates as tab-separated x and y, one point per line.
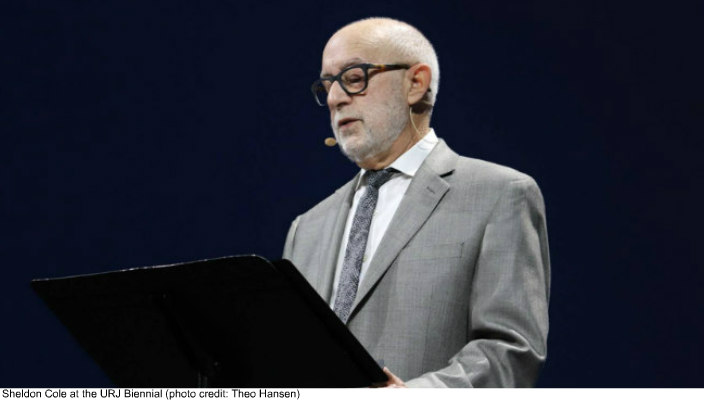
141	133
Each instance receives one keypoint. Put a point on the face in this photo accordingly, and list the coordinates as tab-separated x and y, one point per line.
366	124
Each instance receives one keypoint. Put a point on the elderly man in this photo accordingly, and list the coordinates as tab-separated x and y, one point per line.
437	263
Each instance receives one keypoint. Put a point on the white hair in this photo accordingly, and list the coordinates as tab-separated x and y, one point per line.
406	42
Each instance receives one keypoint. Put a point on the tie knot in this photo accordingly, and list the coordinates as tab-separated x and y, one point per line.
375	179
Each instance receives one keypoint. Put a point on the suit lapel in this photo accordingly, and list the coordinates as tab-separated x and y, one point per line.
422	197
330	244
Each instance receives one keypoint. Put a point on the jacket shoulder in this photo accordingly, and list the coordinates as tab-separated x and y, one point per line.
331	202
488	173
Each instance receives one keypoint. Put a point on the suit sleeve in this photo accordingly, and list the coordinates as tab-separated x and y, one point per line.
508	310
288	247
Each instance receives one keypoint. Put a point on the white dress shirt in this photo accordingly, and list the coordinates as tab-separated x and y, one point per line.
390	195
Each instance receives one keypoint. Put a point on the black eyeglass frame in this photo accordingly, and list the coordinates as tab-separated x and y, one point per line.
338	78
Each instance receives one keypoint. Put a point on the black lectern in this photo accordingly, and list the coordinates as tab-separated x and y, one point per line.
239	321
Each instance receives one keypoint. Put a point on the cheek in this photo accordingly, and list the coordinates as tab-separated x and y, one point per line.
375	117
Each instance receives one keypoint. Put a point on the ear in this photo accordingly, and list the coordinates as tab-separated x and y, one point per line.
419	78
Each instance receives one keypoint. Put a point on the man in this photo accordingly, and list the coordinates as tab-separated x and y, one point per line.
437	263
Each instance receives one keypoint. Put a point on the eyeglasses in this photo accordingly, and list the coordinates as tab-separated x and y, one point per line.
353	80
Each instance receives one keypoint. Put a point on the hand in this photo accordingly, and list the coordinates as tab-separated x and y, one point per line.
393	382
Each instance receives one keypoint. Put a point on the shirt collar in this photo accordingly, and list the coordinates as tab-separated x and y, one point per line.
409	162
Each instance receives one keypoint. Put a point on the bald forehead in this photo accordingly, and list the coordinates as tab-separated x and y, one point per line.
363	41
342	51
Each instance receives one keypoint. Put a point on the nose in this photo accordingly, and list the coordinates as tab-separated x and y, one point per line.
337	96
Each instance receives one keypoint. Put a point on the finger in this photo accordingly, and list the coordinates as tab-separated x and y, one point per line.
389	374
393	379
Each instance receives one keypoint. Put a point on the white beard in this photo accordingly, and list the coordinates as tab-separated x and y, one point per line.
381	129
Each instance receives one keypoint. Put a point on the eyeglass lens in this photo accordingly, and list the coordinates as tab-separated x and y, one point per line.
353	80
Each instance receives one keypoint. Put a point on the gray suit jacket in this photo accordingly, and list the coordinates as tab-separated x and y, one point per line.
457	292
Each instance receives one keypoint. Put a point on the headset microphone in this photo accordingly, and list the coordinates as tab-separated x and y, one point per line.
330	142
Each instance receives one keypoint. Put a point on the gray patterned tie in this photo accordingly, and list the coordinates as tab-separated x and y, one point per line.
357	243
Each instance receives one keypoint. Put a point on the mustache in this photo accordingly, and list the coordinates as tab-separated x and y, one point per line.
342	118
